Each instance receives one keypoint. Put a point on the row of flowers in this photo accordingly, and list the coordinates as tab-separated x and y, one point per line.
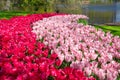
22	57
85	47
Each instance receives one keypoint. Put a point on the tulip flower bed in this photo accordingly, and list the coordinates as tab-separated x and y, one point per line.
83	46
22	57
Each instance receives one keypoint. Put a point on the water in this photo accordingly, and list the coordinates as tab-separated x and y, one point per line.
100	14
118	12
97	13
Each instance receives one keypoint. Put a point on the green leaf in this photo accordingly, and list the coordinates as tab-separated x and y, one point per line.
50	78
85	22
95	76
58	45
116	59
41	40
64	64
118	78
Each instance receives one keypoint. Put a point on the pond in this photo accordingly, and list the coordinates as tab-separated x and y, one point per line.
101	14
97	13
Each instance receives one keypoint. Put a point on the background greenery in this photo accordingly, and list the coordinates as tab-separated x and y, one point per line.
27	5
47	5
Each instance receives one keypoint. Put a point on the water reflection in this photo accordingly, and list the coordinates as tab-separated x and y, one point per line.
98	13
117	12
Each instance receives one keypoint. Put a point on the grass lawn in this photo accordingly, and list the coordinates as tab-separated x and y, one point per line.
113	29
7	14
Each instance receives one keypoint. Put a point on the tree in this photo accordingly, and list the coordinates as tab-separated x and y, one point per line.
30	5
